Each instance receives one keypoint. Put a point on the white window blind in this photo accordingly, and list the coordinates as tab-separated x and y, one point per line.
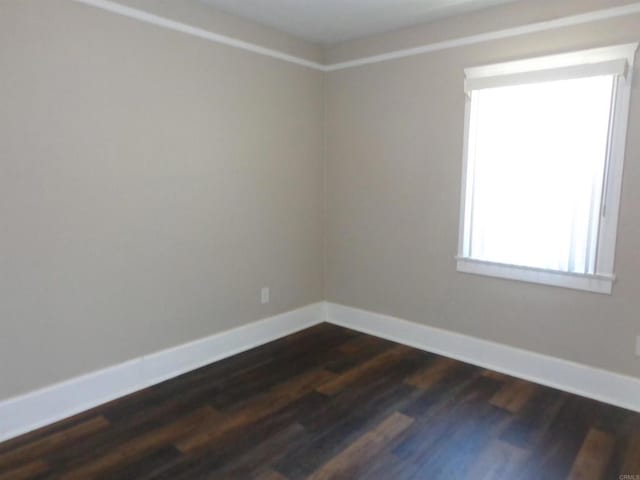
542	161
538	156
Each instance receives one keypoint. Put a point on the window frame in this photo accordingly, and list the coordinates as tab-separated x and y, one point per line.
541	68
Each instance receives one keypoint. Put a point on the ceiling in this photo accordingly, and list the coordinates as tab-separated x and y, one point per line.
332	21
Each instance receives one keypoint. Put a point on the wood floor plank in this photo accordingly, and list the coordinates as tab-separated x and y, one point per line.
593	457
362	342
51	442
314	353
631	455
145	466
356	351
554	453
385	359
455	411
48	430
226	451
139	446
262	407
27	471
329	402
452	387
334	426
449	443
499	460
432	374
533	420
354	457
265	452
386	466
271	475
136	421
514	395
496	375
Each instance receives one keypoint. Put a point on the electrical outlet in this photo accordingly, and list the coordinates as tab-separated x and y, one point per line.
265	295
638	345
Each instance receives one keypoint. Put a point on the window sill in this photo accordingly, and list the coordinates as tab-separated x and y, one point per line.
576	281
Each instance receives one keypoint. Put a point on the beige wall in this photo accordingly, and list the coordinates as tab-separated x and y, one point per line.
394	154
515	14
198	14
150	184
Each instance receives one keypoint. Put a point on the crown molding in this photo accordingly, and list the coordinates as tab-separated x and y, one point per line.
568	21
543	26
176	26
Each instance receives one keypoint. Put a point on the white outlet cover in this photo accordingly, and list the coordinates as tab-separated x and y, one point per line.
265	295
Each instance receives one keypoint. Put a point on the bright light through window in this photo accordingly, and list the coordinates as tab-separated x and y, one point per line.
542	168
536	162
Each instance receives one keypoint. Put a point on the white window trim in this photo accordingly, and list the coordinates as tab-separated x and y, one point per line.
577	281
556	67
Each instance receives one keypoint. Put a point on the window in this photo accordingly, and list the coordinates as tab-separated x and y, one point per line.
544	150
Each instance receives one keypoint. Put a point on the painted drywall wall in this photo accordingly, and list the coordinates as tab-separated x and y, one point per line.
198	14
150	184
515	14
394	156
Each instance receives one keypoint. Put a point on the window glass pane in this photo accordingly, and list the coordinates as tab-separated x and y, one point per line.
536	165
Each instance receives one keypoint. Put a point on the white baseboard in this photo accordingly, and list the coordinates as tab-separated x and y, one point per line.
42	407
601	385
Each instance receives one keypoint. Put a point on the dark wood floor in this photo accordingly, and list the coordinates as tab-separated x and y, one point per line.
330	403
